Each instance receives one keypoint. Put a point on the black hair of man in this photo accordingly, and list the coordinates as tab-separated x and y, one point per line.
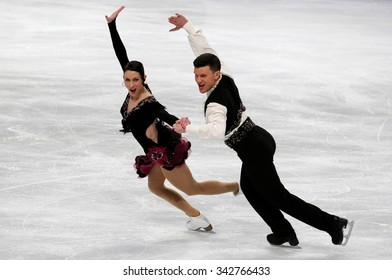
208	59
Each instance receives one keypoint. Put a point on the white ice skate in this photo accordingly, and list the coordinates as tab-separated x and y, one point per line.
348	229
198	223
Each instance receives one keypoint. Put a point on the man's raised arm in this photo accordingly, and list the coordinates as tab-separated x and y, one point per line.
197	40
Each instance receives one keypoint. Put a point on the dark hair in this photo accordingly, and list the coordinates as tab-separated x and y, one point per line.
136	66
208	59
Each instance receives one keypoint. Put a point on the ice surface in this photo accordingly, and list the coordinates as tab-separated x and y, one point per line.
316	74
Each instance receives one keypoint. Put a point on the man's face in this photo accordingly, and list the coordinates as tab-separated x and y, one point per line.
205	78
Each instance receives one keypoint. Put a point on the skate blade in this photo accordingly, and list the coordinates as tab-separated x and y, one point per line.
296	247
349	229
209	228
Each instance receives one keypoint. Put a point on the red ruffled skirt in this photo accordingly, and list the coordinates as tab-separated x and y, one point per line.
162	156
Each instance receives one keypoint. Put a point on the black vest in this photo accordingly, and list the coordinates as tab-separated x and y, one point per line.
226	94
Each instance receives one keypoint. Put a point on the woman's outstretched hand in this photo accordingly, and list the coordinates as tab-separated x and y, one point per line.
113	16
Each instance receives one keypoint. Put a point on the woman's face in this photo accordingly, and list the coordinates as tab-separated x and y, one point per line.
133	82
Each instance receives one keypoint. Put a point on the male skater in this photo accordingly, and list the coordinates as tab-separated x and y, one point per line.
226	118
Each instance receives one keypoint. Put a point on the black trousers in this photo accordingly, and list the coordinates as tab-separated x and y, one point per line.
263	189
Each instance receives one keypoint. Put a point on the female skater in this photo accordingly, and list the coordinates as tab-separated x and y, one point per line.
226	118
165	150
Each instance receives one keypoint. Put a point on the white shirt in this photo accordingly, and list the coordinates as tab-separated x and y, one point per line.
216	114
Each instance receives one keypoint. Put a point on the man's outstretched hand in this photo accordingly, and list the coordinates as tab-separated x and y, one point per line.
178	21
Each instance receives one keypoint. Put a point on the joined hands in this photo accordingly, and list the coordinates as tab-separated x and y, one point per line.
181	124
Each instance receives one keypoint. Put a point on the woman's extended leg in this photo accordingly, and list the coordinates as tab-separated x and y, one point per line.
181	177
156	185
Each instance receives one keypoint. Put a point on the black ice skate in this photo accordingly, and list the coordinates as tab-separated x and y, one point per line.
338	235
276	240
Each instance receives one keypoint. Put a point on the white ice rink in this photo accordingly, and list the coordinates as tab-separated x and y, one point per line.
316	74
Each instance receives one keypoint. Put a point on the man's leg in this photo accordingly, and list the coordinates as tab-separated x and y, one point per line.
266	179
267	211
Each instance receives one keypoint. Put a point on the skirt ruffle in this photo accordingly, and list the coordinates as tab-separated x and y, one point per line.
162	156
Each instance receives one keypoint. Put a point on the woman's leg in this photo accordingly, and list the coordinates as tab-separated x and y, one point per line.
181	177
156	185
